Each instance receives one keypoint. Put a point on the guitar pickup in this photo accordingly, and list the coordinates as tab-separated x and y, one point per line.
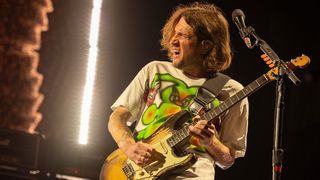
164	148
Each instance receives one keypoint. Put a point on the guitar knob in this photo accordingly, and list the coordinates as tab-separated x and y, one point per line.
141	173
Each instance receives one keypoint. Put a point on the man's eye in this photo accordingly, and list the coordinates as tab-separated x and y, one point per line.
181	35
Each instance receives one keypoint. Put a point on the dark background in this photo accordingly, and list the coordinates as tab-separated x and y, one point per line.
129	38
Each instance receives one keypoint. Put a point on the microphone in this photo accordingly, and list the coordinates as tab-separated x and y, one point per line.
238	18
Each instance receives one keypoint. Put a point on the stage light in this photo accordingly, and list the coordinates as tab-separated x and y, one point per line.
90	74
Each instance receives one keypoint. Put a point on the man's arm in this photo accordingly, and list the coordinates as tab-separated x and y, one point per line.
139	152
118	128
233	131
221	153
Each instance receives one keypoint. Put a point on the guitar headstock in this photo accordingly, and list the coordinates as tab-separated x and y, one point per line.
299	62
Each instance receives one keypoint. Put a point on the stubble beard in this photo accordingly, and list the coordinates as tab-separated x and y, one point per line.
178	63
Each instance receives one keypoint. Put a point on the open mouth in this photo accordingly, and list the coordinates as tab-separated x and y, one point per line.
175	52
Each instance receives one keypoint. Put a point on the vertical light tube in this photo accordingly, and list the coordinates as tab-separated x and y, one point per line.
91	70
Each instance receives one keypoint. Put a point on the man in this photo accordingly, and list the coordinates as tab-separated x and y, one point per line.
196	37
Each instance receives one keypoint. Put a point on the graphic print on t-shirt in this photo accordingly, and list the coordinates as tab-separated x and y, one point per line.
165	97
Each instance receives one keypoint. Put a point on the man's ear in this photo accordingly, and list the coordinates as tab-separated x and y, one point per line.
206	45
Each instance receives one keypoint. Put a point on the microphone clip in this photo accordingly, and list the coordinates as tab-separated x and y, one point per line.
246	34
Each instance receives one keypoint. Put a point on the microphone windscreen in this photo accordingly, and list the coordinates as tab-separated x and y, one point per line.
237	13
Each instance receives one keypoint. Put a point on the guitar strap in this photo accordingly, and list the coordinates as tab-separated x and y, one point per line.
208	92
216	83
206	95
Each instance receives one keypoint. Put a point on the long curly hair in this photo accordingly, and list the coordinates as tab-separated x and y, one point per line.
209	23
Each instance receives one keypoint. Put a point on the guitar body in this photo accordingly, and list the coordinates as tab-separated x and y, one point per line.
165	160
113	166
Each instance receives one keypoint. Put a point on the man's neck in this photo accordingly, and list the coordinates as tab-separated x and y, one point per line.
195	73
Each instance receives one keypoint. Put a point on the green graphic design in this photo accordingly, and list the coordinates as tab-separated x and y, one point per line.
175	97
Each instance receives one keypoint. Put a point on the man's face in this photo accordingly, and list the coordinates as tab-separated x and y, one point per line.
184	51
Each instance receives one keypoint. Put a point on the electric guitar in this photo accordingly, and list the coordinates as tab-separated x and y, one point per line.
171	139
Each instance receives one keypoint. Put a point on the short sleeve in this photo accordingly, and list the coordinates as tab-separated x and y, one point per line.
234	125
132	96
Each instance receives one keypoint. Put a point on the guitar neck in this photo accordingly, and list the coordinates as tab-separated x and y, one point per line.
229	102
183	133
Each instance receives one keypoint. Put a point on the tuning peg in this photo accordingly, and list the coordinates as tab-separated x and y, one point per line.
267	60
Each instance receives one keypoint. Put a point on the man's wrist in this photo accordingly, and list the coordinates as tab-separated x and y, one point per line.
125	142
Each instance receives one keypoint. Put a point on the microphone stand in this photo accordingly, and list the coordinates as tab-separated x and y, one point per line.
277	152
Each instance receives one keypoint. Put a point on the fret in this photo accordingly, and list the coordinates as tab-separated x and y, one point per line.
263	79
174	142
218	110
181	134
237	95
170	141
185	131
213	113
207	116
228	102
246	91
234	98
257	82
223	106
240	94
176	137
254	84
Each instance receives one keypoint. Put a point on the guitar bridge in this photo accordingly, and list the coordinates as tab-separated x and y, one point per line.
128	171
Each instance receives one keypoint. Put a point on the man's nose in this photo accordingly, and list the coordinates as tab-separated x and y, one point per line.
174	40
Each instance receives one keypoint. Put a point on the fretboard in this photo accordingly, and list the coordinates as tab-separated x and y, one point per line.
181	134
229	102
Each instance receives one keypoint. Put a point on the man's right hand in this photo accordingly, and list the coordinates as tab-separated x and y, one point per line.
138	152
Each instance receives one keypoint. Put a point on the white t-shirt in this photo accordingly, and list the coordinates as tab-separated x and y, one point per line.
160	90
